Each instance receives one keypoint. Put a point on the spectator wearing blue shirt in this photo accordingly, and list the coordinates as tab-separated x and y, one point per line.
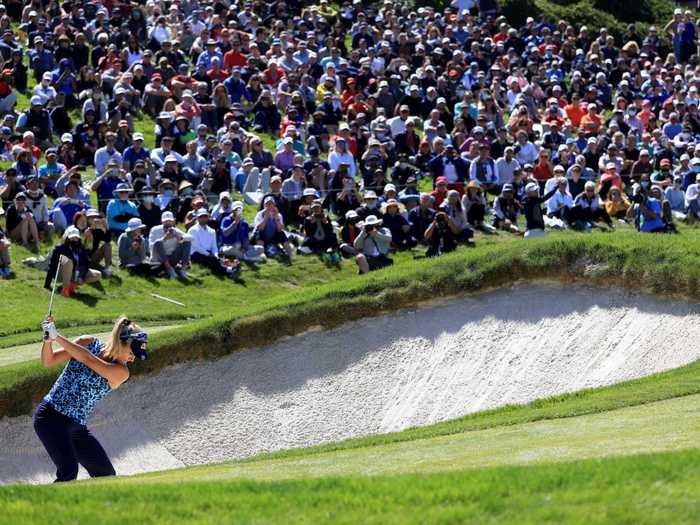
208	54
65	208
235	237
120	210
107	153
650	212
40	59
135	152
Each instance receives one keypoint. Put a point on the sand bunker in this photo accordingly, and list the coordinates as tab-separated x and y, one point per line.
389	373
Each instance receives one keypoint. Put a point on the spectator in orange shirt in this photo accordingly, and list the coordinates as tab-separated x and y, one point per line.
591	121
574	111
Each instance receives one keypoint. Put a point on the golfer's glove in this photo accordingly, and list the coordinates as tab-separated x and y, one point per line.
49	328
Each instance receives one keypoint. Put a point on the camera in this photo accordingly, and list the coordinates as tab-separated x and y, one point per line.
639	197
369	229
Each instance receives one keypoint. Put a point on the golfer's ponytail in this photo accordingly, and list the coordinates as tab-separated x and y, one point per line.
112	347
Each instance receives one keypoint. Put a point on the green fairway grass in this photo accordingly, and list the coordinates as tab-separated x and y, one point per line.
644	489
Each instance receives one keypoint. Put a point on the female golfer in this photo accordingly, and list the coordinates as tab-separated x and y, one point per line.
94	369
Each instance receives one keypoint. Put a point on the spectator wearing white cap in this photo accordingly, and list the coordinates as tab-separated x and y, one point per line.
205	250
45	90
137	151
269	230
170	248
132	248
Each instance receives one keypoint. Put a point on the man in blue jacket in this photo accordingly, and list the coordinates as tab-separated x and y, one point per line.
451	166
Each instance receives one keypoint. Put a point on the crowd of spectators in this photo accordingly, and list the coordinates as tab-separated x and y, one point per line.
352	132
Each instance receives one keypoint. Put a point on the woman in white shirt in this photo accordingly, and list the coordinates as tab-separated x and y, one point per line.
341	155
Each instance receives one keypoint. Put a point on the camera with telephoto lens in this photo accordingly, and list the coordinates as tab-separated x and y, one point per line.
639	197
369	228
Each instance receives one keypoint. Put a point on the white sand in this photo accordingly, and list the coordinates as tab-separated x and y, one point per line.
377	375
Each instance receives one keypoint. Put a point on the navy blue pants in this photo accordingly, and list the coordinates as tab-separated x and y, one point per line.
69	444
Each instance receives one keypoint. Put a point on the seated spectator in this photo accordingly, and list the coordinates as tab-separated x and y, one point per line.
473	207
348	233
421	217
20	223
120	210
5	262
72	258
373	245
235	237
269	230
170	248
675	196
506	210
96	239
132	248
617	204
37	202
588	209
205	250
64	208
393	213
319	237
441	235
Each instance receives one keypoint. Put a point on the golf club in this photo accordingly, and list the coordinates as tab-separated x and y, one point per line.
53	291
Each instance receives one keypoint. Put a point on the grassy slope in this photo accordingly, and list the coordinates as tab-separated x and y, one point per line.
652	489
665	426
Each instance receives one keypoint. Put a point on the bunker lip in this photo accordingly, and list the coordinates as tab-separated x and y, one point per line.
413	367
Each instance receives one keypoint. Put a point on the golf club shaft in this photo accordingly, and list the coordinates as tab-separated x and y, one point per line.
53	291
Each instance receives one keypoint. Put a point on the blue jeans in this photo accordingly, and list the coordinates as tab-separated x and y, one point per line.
69	443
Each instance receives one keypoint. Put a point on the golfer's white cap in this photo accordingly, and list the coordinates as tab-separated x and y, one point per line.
72	233
167	216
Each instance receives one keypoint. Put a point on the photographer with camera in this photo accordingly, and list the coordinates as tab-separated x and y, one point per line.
646	211
441	235
319	237
96	239
373	245
132	248
170	248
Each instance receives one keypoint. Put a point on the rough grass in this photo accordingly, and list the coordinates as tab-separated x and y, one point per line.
646	489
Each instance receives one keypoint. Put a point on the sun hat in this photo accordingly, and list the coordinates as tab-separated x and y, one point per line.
123	187
350	214
372	220
72	233
134	224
